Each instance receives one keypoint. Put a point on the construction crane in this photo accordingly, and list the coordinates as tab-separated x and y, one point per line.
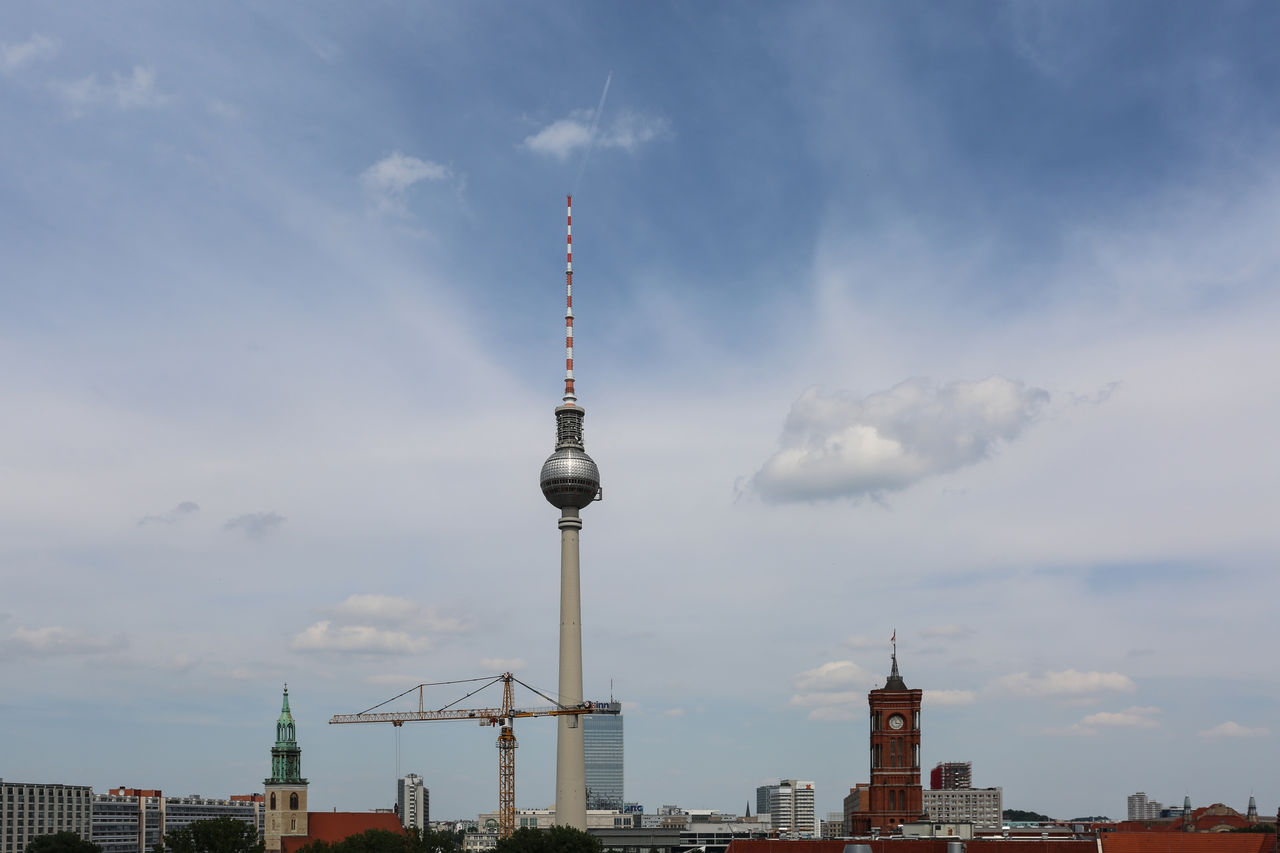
503	717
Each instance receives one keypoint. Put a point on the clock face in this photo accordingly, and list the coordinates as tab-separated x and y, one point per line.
897	721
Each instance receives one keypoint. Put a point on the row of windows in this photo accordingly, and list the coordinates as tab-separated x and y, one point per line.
897	754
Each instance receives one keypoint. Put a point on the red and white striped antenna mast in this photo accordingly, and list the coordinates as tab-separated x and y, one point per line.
569	397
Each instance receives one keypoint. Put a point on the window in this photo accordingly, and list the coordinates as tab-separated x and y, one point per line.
293	802
273	800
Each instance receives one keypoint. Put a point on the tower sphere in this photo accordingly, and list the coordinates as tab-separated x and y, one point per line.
569	478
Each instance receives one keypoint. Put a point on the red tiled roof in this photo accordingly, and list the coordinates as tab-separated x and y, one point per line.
927	845
1188	842
337	826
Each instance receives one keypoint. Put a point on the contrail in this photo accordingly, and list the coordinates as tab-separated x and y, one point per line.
591	132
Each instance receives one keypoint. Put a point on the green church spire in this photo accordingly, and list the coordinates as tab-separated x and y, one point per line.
286	755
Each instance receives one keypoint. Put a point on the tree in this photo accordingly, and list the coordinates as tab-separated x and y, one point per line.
1257	827
62	842
557	839
219	835
1030	817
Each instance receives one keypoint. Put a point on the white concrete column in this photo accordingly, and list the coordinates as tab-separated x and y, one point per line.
571	765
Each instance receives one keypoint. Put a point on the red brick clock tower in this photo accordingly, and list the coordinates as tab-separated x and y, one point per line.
894	796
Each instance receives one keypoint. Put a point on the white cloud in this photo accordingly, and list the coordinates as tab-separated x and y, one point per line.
503	664
949	697
1066	684
393	610
836	445
1134	717
835	674
834	691
388	181
56	640
1073	730
358	639
628	132
563	136
673	712
857	642
34	49
1233	729
136	90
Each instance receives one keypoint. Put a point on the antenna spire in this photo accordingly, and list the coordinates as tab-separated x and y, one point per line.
569	397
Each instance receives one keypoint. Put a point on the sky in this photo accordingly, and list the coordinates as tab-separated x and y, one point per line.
955	321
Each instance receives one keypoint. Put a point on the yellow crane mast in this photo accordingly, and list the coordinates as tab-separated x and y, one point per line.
503	717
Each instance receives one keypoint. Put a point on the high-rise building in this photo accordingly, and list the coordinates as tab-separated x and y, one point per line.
29	810
603	749
413	802
894	796
791	809
950	775
763	793
286	790
570	481
1140	808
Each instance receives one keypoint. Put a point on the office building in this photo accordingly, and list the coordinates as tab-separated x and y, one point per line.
603	746
413	802
29	810
791	809
982	807
135	820
763	793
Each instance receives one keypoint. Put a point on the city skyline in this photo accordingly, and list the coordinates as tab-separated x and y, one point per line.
951	322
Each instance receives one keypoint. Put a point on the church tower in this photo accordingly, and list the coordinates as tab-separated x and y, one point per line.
286	790
894	796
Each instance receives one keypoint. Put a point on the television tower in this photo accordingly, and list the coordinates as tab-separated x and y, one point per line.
570	480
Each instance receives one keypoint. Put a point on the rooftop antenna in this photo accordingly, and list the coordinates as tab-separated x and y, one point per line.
569	397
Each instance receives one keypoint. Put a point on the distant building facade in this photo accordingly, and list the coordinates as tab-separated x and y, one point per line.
791	809
413	802
833	825
603	746
763	793
135	820
855	802
950	775
1140	808
982	807
29	810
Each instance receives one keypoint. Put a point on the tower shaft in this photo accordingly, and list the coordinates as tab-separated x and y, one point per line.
571	773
